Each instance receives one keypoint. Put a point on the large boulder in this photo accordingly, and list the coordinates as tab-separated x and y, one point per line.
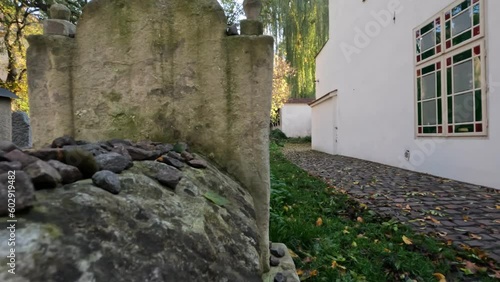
205	230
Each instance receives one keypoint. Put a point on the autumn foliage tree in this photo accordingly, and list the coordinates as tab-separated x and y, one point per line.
18	19
282	73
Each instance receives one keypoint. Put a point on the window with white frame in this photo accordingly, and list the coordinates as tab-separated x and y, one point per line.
450	72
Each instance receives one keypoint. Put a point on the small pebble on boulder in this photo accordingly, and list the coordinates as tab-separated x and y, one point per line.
107	180
139	154
187	156
175	155
171	161
69	174
17	155
278	252
114	162
197	163
43	175
279	277
273	261
62	141
169	176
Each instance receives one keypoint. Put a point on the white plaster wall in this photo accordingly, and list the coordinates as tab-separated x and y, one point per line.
296	120
325	82
323	126
376	97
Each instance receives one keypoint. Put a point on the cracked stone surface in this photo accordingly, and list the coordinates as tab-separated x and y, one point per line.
465	213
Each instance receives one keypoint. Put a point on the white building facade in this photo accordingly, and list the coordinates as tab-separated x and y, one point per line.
295	118
413	84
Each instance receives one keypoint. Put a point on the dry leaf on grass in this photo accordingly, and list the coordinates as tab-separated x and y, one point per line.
440	277
319	221
407	240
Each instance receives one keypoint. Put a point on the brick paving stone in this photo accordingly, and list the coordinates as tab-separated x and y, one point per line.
387	190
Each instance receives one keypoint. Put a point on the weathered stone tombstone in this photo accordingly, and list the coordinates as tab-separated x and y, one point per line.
163	70
5	114
21	130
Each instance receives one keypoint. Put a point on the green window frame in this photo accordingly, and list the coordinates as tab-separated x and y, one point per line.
450	73
463	23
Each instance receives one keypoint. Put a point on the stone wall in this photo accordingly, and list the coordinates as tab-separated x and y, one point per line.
163	70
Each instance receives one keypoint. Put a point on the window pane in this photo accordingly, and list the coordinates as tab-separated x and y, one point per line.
429	112
476	12
431	129
464	108
428	69
461	22
464	128
427	28
429	86
477	72
479	106
462	37
440	112
419	113
428	54
462	56
450	109
462	6
428	41
462	76
449	81
419	89
448	30
438	75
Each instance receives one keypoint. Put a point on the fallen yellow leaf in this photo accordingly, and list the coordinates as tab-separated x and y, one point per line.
498	207
435	220
440	277
407	240
387	250
314	273
300	272
359	219
474	236
345	231
355	182
442	234
335	265
319	221
292	254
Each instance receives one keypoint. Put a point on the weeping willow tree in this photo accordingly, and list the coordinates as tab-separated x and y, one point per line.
301	29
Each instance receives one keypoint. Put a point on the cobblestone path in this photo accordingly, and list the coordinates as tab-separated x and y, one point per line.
464	213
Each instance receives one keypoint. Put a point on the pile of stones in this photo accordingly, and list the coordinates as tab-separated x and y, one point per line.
282	265
67	160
